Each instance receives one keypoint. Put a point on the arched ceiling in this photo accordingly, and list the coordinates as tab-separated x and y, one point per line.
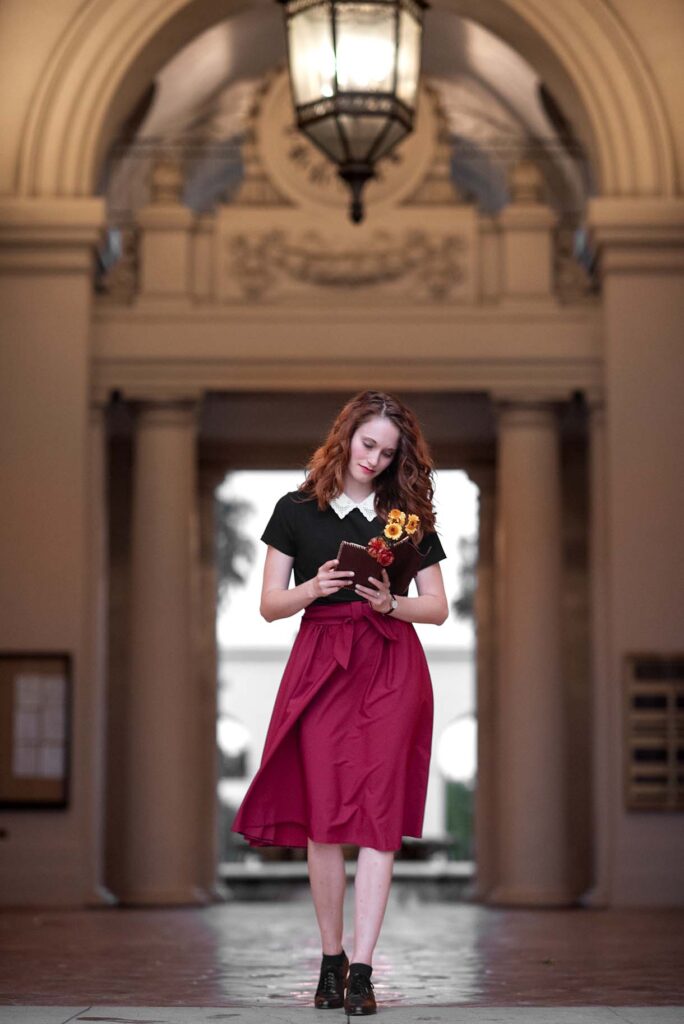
489	94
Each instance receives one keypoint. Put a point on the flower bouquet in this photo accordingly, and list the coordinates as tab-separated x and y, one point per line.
394	551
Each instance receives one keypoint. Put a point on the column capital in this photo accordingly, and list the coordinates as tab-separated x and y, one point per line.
528	393
526	406
165	217
49	234
644	235
161	392
166	411
527	217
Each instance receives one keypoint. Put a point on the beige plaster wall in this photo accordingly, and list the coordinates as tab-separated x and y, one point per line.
645	422
43	546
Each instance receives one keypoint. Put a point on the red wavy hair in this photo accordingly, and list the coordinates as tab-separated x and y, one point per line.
406	483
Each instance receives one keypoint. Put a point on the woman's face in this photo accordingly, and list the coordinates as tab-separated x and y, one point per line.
373	446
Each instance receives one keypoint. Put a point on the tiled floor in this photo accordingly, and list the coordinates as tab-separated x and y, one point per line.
285	1015
256	962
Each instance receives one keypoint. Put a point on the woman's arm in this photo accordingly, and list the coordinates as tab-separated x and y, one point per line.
430	606
279	600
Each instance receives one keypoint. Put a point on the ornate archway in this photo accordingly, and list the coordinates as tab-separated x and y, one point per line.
111	51
98	69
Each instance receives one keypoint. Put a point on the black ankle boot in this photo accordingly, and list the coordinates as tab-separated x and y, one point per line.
359	999
331	984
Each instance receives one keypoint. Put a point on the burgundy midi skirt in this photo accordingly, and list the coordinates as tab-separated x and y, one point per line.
347	751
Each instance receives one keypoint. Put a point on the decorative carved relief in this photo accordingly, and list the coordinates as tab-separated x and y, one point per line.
270	265
306	243
287	237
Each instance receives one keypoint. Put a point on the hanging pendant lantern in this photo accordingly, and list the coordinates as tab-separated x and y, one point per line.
354	71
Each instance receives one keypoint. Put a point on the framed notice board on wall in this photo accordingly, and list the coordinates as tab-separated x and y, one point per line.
35	730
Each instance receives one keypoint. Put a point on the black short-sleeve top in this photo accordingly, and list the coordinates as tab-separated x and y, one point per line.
300	529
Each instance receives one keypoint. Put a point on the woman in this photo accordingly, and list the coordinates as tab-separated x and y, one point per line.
347	752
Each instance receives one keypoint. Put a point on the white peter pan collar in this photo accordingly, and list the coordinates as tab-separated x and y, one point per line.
343	504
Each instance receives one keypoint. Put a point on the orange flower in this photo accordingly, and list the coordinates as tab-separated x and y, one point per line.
397	516
412	524
392	530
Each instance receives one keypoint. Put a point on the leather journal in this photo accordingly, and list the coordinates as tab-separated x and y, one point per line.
407	562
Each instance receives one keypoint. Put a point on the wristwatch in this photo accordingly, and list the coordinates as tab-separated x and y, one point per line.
393	605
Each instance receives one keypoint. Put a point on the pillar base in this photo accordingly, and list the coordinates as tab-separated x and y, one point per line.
190	895
508	895
100	896
595	898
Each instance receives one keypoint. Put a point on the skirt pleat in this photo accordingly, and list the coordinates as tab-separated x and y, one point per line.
347	752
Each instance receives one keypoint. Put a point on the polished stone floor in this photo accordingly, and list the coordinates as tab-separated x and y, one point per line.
255	962
388	1015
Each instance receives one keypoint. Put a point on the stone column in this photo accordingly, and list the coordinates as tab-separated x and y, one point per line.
160	843
640	243
532	854
46	256
486	817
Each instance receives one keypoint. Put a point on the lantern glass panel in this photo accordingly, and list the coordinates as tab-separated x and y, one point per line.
326	135
312	56
408	58
366	47
395	134
362	133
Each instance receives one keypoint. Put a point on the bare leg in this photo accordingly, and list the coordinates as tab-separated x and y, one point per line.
371	889
328	882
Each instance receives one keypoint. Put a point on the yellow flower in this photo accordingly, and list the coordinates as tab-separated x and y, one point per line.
412	524
397	516
393	530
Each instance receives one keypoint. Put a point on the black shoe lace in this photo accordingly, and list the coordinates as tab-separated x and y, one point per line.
360	985
329	982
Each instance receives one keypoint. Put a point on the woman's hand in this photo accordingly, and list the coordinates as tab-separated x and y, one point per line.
378	596
328	580
278	599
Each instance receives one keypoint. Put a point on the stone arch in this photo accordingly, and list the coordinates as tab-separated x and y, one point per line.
110	52
593	66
